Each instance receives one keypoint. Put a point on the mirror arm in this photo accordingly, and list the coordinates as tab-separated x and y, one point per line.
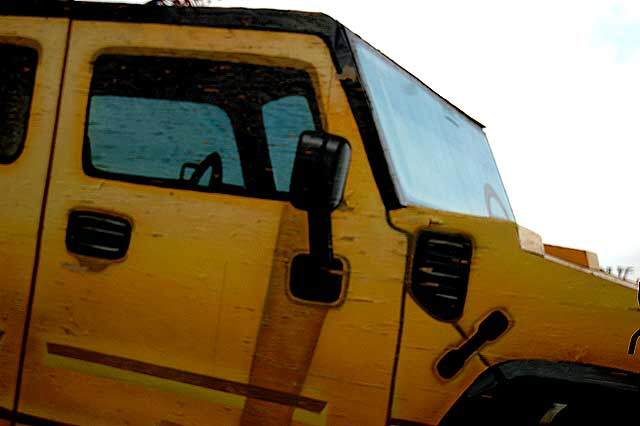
320	238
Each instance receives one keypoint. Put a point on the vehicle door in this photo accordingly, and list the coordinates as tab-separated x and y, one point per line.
163	282
31	57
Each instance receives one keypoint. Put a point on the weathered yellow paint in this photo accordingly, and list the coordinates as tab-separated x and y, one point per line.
306	418
190	293
420	395
22	184
203	287
150	382
558	311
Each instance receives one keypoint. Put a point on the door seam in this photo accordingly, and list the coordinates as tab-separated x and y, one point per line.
45	196
403	300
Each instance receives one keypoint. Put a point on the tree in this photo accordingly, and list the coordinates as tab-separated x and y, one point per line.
623	271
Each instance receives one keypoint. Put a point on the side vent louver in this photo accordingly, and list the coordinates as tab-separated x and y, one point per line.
440	274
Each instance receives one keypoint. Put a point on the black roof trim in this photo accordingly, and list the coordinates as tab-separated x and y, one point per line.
45	8
263	19
312	23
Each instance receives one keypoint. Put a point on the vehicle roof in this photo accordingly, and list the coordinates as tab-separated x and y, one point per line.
318	24
265	19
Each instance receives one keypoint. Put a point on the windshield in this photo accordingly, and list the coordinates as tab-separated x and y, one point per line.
439	157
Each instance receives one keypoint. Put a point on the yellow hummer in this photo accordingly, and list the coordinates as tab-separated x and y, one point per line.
253	217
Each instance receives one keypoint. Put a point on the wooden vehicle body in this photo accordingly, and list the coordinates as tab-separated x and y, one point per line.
133	295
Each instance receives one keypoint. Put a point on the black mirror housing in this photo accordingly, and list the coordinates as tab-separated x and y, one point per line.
318	179
319	172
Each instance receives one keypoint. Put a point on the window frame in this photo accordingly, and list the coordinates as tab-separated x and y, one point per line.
312	96
10	159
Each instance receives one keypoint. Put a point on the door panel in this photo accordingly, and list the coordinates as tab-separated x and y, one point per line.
170	332
23	170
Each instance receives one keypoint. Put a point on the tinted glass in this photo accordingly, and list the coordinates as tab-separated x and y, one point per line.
161	120
441	158
284	120
178	133
17	76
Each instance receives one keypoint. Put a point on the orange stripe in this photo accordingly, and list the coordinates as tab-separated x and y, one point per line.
257	392
288	333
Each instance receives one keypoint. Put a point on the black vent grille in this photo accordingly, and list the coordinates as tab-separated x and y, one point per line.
440	274
98	234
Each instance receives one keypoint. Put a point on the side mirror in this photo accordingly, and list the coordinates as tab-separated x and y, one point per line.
317	186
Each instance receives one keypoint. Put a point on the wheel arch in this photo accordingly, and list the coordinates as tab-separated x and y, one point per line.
532	385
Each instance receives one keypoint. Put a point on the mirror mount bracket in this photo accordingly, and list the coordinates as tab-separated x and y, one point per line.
320	237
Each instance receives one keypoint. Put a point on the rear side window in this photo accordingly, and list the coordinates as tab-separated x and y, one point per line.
17	76
197	124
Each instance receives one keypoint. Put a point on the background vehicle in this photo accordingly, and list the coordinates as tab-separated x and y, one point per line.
156	271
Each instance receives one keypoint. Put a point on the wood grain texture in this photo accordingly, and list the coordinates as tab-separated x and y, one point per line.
288	335
201	380
22	184
558	312
191	293
197	269
8	417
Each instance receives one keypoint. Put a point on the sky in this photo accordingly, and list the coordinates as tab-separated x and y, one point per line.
557	85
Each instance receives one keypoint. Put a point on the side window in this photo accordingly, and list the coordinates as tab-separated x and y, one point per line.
284	120
161	136
197	124
17	76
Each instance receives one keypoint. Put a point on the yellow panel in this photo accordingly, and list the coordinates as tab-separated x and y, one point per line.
420	395
190	293
557	311
22	184
353	362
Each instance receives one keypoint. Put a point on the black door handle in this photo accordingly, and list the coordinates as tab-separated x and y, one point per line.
98	234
